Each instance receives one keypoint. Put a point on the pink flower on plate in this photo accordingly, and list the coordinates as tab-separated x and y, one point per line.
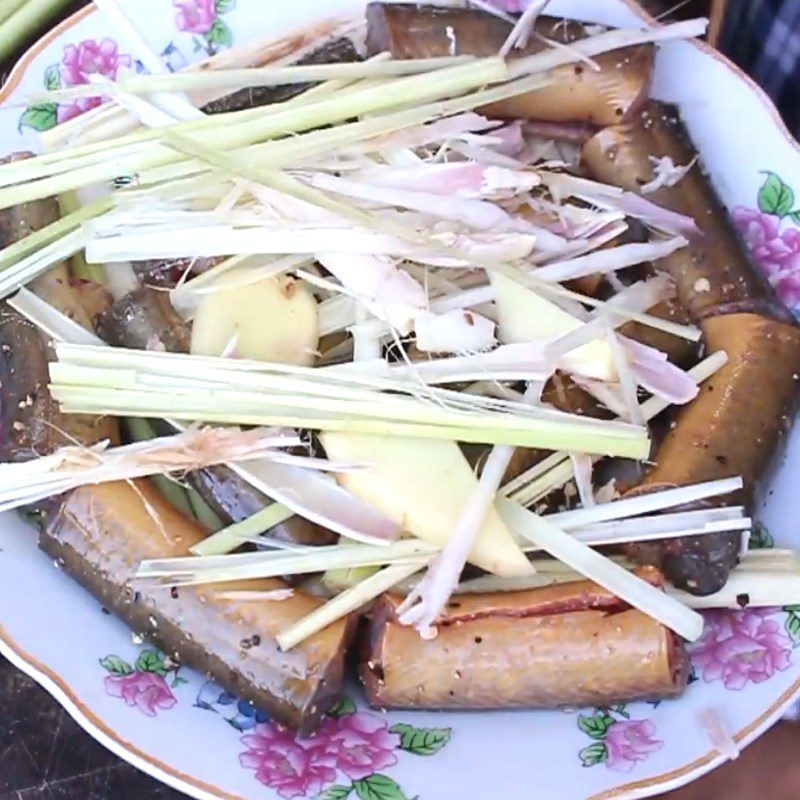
145	690
293	767
776	253
79	62
195	16
741	646
359	744
629	741
92	58
356	744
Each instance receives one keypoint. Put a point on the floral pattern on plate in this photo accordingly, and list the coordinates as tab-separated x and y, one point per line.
143	685
78	63
347	754
621	743
772	235
203	20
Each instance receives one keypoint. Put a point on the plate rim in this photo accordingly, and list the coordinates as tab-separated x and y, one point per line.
62	693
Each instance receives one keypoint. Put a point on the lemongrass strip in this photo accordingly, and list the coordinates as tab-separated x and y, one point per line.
97	366
24	20
310	409
627	379
72	466
607	41
53	322
28	268
251	77
50	233
413	89
232	536
644	504
625	585
104	122
345	603
653	406
247	566
552	461
283	118
497	430
634	531
609	260
748	590
186	565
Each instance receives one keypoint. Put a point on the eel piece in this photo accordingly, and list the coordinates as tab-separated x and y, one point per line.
733	427
101	534
576	93
713	274
563	645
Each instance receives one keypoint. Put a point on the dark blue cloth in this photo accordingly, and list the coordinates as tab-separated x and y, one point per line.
763	38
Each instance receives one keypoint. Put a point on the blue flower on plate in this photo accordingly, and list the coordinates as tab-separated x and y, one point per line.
241	714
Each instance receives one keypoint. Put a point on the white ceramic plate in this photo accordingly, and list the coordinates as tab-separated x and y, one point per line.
196	738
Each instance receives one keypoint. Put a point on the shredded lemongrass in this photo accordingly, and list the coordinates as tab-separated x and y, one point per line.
233	536
388	94
251	77
625	585
644	503
664	526
73	466
96	380
194	570
343	604
748	585
53	322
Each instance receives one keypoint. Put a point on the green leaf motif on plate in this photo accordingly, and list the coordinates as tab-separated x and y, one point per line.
52	78
151	661
220	34
39	116
597	725
224	6
793	622
335	793
775	196
421	741
621	710
343	706
594	754
116	666
378	787
761	538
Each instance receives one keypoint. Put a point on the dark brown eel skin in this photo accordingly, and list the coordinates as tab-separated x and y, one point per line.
31	424
570	644
575	94
101	534
737	424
